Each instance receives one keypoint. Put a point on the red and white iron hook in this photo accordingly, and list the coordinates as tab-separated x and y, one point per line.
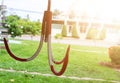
45	37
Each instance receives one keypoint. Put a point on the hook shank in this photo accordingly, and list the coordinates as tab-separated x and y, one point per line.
45	36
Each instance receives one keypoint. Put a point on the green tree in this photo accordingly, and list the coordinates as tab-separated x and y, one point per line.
18	26
102	34
30	27
64	31
12	18
92	33
13	29
74	32
56	12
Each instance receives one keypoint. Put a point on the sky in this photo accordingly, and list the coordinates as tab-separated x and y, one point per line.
101	8
36	5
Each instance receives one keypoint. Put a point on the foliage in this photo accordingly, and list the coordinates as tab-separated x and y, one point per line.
114	54
13	29
58	36
102	34
30	27
64	31
12	18
94	33
17	77
74	32
18	26
83	62
56	12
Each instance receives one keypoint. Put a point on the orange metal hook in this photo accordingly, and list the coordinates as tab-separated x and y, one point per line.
45	36
24	59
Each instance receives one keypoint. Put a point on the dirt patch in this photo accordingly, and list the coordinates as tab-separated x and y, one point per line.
110	65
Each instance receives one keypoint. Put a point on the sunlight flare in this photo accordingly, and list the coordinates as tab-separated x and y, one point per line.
98	8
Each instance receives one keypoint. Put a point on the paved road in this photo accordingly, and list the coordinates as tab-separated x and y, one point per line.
83	42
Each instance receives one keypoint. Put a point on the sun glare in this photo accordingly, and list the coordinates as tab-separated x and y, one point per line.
99	8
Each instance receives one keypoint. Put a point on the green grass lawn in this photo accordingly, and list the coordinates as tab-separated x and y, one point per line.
83	62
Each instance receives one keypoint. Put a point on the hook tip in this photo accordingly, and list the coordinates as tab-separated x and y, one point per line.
69	47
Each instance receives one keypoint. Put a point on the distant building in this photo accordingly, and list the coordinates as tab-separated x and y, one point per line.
84	24
3	33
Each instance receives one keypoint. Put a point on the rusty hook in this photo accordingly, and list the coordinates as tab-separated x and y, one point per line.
24	59
64	61
48	39
45	37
